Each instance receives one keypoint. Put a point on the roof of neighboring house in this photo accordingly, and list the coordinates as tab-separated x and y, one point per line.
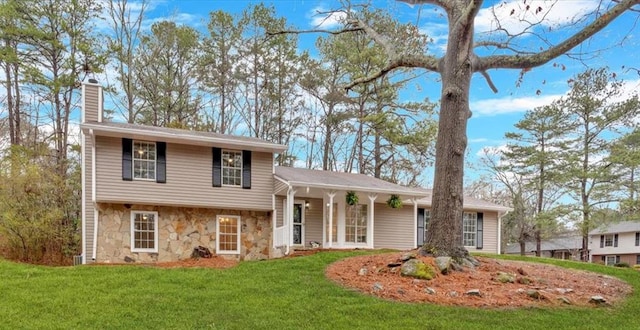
183	136
342	181
571	242
620	227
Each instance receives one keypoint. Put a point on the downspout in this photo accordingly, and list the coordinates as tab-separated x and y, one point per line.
500	231
84	195
93	194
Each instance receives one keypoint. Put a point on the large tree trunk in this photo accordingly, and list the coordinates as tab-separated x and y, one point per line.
444	236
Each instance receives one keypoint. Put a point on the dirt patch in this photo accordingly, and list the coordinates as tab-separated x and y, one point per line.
555	286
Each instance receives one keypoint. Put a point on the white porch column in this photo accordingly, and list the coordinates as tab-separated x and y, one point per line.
289	215
372	198
414	200
331	195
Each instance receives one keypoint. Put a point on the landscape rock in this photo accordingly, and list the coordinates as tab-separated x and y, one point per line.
506	277
443	264
408	256
417	269
564	291
598	300
565	300
535	294
474	292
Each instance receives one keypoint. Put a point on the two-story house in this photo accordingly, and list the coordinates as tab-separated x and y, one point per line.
153	194
615	243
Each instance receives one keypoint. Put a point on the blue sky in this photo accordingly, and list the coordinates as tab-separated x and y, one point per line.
493	114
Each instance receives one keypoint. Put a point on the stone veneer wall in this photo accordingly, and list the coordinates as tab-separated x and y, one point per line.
180	230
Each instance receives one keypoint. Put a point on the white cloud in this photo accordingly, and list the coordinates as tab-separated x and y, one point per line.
507	105
550	14
322	18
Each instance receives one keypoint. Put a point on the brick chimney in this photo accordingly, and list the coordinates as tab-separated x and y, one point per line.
92	101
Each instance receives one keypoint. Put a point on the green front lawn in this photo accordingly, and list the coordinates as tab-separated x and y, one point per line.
277	294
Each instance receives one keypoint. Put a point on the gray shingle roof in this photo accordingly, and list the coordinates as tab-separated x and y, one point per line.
361	182
471	203
571	242
180	135
620	227
342	180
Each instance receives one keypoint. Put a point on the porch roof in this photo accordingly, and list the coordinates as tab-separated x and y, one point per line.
470	203
344	181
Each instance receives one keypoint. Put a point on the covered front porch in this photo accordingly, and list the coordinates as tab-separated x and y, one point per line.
311	209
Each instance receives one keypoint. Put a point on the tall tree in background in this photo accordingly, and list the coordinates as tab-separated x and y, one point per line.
166	66
535	152
269	72
125	19
219	61
596	104
625	155
456	68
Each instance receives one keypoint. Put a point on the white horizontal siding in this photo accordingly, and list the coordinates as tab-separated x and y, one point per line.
188	180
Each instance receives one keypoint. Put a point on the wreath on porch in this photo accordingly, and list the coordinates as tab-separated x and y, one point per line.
352	198
394	201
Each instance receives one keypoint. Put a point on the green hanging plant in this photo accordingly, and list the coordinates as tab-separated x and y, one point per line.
352	198
394	201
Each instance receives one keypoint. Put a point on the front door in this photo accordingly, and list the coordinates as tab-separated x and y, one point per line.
298	224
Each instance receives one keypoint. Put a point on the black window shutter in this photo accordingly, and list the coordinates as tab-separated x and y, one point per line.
216	171
127	146
637	239
420	227
615	240
601	241
479	231
161	162
246	169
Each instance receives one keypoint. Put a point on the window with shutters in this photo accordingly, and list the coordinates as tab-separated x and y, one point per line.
469	228
608	240
231	168
144	160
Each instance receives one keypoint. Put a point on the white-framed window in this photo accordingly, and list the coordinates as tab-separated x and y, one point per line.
469	228
608	240
231	168
611	260
356	224
144	160
144	231
228	234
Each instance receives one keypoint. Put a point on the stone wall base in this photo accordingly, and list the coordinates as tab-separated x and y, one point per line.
181	229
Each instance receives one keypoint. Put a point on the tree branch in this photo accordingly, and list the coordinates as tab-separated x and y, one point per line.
405	61
520	62
336	32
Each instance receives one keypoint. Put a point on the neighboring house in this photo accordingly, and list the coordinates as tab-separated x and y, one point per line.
154	194
565	247
615	243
